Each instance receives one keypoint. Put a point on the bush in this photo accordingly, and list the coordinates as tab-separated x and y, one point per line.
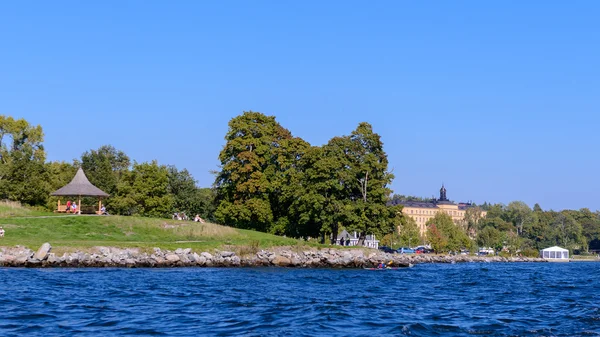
504	254
530	252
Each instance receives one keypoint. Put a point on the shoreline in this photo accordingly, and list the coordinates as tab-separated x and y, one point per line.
292	257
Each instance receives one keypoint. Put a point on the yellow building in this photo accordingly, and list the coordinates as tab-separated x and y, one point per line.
423	211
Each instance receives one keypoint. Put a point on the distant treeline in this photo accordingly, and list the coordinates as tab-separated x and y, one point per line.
146	189
513	227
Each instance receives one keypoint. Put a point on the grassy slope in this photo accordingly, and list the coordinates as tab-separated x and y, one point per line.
25	227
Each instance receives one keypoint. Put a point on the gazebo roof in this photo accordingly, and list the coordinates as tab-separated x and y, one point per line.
556	249
80	185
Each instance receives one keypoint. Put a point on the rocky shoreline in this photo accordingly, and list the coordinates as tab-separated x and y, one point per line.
280	256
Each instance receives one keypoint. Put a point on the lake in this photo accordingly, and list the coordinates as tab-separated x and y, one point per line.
482	299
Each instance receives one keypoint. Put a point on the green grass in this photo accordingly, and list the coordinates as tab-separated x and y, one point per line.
10	209
31	228
119	231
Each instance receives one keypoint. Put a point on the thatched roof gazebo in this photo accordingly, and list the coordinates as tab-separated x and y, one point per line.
79	187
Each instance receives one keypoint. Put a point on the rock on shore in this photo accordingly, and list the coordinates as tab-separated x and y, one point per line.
281	256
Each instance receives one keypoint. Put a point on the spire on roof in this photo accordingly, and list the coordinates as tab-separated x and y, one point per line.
443	193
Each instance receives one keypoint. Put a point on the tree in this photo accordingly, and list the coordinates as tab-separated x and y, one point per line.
144	191
367	187
590	224
512	242
568	231
445	235
519	214
105	167
183	188
489	237
409	233
473	216
255	165
23	176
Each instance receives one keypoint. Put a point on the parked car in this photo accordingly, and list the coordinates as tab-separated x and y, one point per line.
387	249
423	250
405	250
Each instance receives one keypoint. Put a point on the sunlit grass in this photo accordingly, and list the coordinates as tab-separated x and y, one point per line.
79	232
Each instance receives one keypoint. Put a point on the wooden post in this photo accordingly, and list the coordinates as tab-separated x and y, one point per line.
58	207
79	205
100	206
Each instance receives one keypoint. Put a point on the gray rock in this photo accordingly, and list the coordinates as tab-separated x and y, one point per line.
184	258
172	257
227	254
207	256
281	261
196	257
51	258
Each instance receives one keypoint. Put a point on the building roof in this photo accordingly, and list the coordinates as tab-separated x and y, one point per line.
555	249
420	204
344	235
80	186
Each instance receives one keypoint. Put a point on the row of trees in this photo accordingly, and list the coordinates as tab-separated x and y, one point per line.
513	227
524	228
274	182
146	189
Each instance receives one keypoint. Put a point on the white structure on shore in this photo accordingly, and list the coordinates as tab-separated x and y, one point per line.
555	254
345	239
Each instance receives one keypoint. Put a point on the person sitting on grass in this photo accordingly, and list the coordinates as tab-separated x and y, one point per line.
1	231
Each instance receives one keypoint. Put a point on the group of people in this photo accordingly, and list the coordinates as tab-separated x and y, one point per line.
71	207
180	216
183	217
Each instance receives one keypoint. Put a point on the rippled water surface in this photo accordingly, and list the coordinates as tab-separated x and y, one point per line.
487	299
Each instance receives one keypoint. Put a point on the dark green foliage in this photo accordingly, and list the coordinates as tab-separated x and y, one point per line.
105	167
523	228
144	191
258	163
23	176
445	235
272	181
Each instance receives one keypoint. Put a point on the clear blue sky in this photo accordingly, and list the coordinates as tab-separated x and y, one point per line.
497	99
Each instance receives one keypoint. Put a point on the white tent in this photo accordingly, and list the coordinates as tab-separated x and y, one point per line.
554	253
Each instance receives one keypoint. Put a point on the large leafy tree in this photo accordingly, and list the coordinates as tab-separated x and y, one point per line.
445	235
489	237
105	166
144	191
409	232
23	176
187	196
519	214
257	163
365	177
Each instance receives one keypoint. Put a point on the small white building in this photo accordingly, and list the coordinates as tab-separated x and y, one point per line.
346	239
555	253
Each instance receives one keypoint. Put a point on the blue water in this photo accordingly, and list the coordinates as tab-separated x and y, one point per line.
486	299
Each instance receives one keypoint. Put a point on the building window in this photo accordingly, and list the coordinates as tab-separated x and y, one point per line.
411	211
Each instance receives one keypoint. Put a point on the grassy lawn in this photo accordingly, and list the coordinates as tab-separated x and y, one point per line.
68	232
